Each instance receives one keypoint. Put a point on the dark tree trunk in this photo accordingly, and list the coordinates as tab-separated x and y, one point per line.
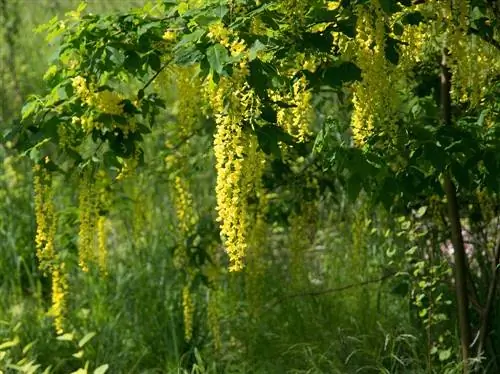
460	256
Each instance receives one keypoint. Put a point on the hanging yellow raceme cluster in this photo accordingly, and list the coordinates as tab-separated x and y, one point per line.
234	104
50	263
374	100
46	220
59	292
187	111
87	211
102	252
473	61
186	219
231	147
297	119
184	206
106	101
188	307
103	201
188	103
93	208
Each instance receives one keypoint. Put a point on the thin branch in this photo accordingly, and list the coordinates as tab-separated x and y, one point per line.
156	75
331	290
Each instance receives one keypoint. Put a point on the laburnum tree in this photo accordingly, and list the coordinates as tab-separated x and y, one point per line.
419	80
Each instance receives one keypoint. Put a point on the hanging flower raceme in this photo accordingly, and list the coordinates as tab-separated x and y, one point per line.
297	119
46	220
59	294
49	261
102	211
474	62
374	98
235	105
188	308
87	209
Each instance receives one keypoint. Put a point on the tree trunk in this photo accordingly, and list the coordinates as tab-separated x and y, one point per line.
460	256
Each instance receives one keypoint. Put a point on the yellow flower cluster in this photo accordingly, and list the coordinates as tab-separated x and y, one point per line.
374	99
186	219
128	166
295	12
473	62
229	39
102	251
169	36
332	5
92	236
188	309
50	262
232	145
59	293
189	100
87	211
46	220
106	101
184	205
217	31
296	120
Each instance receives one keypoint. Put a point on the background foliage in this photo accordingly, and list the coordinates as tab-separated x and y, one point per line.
333	115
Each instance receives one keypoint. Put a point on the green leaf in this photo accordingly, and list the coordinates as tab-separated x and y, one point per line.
389	6
154	61
101	369
10	343
268	137
268	114
255	49
444	354
28	108
217	57
140	94
66	337
354	187
391	50
421	211
133	61
193	37
335	76
86	339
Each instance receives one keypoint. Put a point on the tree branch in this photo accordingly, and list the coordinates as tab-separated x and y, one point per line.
331	290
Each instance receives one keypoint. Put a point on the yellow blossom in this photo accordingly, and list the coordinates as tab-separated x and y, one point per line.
59	293
169	36
188	309
332	5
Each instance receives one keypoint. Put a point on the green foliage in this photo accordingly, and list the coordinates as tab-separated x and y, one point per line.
363	285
